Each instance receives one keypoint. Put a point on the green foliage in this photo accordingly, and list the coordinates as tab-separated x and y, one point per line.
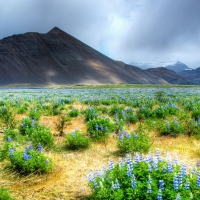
42	135
74	113
130	143
63	122
144	178
4	152
5	194
30	161
99	128
34	115
160	96
143	113
7	116
196	114
90	114
173	129
77	141
13	135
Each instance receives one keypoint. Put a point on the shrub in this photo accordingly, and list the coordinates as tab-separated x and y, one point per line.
5	194
42	135
74	113
11	134
145	178
90	114
27	126
62	123
77	141
172	129
30	161
130	143
143	113
7	117
34	115
99	128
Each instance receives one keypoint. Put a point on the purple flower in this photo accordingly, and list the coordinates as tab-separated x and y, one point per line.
40	148
9	139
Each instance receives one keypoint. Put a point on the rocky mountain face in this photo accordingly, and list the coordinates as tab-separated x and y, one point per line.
58	58
193	74
177	67
171	76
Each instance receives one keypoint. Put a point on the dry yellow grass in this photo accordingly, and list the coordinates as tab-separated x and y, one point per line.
69	177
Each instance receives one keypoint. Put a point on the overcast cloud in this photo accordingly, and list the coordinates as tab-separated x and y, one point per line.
127	30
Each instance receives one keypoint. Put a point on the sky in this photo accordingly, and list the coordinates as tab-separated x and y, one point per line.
139	31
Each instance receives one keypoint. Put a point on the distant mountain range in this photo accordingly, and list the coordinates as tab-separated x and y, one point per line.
172	65
58	58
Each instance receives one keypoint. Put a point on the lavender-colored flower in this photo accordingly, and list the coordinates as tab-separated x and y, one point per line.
169	167
120	137
110	165
40	148
11	152
96	127
127	135
133	182
176	123
149	189
180	178
198	163
168	125
101	127
135	135
155	165
9	139
47	161
176	160
136	159
178	197
158	155
129	124
91	177
116	185
121	163
149	168
159	195
161	185
106	129
73	134
175	182
187	185
198	181
30	146
129	162
184	170
129	171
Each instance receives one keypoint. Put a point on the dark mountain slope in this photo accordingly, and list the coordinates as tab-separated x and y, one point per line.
59	58
170	76
193	74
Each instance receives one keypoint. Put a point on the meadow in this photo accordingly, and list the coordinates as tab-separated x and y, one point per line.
105	142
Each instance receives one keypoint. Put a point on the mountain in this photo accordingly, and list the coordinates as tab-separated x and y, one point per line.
178	67
172	65
58	58
193	74
170	76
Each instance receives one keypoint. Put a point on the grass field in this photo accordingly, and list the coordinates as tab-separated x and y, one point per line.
69	176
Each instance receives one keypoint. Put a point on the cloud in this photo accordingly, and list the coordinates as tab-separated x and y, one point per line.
127	30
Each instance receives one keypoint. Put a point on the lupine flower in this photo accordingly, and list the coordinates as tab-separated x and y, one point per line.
73	134
150	158
168	157
129	171
180	178
149	189
198	163
47	161
155	165
187	185
178	197
133	182
175	182
40	148
198	181
158	155
121	163
129	162
183	169
11	152
161	185
106	129
169	167
159	196
127	135
150	180
129	124
9	139
120	137
101	127
136	159
176	160
110	165
176	123
91	177
135	135
96	127
116	185
149	168
31	146
168	125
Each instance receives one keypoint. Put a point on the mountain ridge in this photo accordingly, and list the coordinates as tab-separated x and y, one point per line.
59	58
